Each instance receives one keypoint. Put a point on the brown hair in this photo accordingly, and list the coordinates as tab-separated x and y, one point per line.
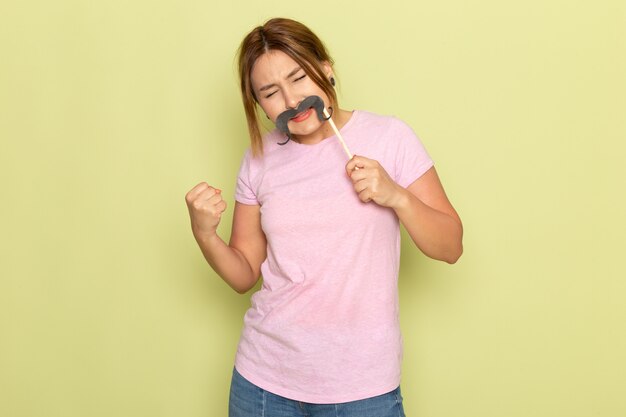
300	44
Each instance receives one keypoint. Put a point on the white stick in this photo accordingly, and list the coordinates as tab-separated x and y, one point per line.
332	124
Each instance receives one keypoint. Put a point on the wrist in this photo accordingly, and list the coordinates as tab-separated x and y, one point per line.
206	237
401	199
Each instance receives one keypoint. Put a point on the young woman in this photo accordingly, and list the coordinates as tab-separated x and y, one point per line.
322	335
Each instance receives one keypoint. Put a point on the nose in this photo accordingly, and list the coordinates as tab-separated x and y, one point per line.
291	99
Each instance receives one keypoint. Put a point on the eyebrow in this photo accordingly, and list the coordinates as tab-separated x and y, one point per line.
291	74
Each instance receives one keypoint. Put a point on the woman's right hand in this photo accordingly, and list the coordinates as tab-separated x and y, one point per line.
205	206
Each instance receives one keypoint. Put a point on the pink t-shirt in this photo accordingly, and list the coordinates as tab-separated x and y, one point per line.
324	327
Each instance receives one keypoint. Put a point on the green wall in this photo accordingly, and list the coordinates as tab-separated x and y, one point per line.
111	111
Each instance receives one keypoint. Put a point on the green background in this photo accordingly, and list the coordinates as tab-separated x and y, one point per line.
111	111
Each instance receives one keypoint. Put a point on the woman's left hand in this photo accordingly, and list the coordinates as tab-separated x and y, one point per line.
372	183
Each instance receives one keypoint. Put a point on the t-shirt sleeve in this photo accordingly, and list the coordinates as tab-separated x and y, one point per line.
245	191
412	159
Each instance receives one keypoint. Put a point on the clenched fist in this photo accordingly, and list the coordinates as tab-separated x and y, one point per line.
205	206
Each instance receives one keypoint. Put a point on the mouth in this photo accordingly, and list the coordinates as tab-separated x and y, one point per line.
313	104
302	116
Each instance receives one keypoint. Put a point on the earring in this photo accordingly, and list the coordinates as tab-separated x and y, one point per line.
332	80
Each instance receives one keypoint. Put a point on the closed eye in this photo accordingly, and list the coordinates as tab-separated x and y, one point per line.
274	92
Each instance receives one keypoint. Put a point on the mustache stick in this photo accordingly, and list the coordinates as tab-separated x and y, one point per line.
332	124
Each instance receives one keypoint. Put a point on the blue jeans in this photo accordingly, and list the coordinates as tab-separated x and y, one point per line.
248	400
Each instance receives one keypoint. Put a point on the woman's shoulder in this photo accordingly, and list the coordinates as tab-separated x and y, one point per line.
268	140
369	120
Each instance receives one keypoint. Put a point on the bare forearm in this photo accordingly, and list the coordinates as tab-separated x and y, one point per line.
435	233
227	262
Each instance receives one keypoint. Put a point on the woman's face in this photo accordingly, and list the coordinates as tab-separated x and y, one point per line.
280	84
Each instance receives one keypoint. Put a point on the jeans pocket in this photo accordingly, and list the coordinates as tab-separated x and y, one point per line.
399	395
246	399
399	401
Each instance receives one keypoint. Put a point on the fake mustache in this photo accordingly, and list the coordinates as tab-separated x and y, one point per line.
311	101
